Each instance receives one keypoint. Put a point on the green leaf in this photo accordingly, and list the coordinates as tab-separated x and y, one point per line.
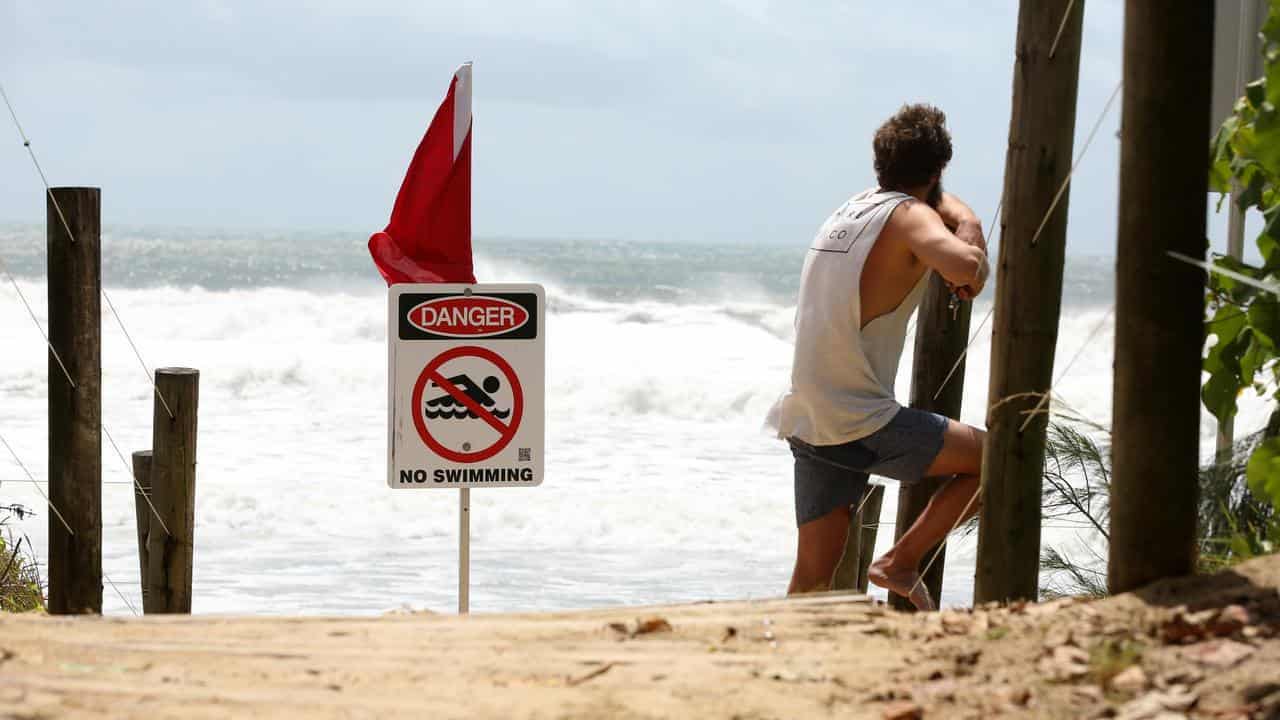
1264	319
1256	92
1255	355
1220	154
1263	470
1222	362
1267	245
1227	325
1219	396
1264	138
1251	195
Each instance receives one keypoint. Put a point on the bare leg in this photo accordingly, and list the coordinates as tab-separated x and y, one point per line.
819	546
961	456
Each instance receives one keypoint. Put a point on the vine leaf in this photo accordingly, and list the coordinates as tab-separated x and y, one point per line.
1263	471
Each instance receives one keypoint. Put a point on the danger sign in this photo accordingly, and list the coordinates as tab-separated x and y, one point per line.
466	392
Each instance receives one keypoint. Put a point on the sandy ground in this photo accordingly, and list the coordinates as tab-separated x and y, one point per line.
1201	647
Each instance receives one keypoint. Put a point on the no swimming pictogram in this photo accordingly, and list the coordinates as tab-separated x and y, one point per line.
467	404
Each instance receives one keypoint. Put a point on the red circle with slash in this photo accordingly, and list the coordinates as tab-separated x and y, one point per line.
506	431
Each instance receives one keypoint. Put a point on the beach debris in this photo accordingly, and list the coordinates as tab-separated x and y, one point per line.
1018	697
1131	680
651	625
1058	636
1064	662
903	710
641	626
576	681
967	657
730	633
1158	705
893	692
1183	626
1180	676
789	675
1222	653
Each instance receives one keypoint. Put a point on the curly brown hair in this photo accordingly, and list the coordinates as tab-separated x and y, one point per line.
911	147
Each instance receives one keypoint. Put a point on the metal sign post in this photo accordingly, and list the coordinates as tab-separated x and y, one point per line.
466	367
464	550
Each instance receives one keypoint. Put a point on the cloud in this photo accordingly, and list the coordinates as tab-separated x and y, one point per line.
730	119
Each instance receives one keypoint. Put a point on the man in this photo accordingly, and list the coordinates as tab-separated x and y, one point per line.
862	278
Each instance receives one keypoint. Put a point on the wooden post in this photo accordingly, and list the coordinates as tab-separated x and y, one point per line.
868	527
142	512
940	343
1028	298
75	408
1159	300
173	484
851	571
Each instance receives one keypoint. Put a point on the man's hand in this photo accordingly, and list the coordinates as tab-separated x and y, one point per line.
965	225
971	290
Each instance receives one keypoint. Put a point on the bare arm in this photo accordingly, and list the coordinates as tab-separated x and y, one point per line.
962	264
962	220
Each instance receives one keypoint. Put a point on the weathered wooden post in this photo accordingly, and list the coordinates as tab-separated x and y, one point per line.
142	512
1159	301
941	338
170	538
868	529
864	523
75	399
1028	297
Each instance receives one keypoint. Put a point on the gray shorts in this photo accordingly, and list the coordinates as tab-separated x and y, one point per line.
833	476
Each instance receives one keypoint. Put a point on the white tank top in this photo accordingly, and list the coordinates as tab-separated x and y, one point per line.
842	377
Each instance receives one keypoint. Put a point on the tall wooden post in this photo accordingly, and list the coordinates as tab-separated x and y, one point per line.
75	407
1028	298
170	538
1159	301
940	343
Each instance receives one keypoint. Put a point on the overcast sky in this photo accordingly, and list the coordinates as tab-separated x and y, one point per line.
740	121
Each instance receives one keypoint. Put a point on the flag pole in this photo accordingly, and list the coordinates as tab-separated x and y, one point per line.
464	551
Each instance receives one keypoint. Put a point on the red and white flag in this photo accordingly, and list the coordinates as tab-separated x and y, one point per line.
428	239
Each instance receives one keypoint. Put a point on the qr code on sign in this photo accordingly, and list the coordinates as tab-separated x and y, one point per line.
526	454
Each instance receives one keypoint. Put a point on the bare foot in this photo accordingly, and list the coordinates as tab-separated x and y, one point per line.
905	582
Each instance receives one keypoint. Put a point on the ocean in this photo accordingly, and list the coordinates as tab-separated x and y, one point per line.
661	483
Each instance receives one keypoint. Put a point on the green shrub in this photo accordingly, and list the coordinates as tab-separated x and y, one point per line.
19	576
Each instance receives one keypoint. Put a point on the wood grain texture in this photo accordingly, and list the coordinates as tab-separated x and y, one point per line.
142	511
940	343
170	555
1159	301
75	412
1028	298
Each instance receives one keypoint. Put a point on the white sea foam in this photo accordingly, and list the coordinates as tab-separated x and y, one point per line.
661	484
